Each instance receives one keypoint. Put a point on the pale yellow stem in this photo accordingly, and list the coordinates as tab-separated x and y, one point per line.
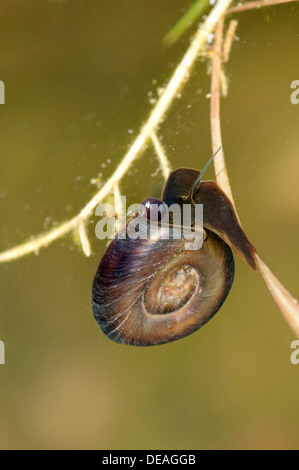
163	160
285	301
176	82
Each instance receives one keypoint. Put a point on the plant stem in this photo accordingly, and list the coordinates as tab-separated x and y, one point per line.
219	162
287	304
188	19
176	82
256	4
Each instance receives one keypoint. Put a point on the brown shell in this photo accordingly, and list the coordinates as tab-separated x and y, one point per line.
134	275
153	291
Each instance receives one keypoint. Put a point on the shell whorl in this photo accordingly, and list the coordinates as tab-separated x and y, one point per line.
154	291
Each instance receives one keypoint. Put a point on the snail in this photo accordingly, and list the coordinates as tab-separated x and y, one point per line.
150	291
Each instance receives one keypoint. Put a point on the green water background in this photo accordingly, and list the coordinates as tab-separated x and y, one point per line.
79	76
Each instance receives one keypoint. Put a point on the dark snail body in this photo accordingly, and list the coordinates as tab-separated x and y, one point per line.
154	291
218	212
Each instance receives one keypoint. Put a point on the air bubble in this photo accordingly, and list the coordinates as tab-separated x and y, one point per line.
210	39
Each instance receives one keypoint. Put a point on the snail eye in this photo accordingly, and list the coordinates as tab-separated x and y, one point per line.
153	209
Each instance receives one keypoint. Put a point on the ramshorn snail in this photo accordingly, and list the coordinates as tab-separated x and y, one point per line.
154	291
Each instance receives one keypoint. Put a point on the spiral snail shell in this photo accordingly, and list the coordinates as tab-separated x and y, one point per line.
153	291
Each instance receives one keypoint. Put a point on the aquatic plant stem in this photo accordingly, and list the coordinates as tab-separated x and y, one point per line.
287	304
176	82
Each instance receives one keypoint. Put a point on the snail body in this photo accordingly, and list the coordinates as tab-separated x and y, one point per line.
152	291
